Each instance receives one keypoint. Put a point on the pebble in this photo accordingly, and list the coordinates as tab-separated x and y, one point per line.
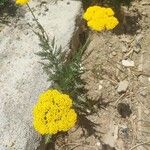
139	31
128	63
98	144
134	117
101	81
114	53
124	127
140	68
100	87
124	49
122	86
146	111
139	37
144	14
88	111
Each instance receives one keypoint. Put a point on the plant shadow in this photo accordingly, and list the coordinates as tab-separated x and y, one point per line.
7	10
128	23
128	19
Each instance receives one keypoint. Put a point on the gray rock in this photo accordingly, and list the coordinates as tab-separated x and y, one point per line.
114	53
128	63
21	76
122	86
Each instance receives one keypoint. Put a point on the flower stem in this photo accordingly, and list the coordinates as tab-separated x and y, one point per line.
45	35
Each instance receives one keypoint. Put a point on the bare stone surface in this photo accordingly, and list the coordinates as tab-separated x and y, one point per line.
21	76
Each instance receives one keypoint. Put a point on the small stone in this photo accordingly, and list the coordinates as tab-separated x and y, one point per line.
134	117
101	81
88	111
123	48
122	86
146	111
98	144
100	87
128	63
114	53
124	128
138	31
139	38
144	13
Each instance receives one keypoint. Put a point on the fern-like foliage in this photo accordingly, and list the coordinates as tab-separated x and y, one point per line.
65	73
66	76
2	2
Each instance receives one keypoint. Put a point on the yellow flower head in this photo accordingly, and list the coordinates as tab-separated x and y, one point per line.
53	113
100	18
22	2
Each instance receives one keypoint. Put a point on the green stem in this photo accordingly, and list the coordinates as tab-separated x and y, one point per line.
45	35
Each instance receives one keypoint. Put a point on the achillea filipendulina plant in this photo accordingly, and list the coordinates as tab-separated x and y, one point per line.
100	18
22	2
53	113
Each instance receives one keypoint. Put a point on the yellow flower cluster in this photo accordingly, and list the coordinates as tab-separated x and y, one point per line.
100	18
22	2
53	113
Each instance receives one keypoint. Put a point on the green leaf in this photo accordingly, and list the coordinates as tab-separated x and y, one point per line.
48	138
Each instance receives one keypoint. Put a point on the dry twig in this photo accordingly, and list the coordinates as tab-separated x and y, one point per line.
139	145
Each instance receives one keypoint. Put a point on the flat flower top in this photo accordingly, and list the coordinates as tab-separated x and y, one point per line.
22	2
100	18
53	113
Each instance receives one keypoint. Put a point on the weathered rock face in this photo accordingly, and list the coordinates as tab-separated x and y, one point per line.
21	76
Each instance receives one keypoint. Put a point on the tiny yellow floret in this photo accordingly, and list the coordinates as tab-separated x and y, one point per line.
22	2
53	113
100	18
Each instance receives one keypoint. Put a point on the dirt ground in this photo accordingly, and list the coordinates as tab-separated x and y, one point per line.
123	121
